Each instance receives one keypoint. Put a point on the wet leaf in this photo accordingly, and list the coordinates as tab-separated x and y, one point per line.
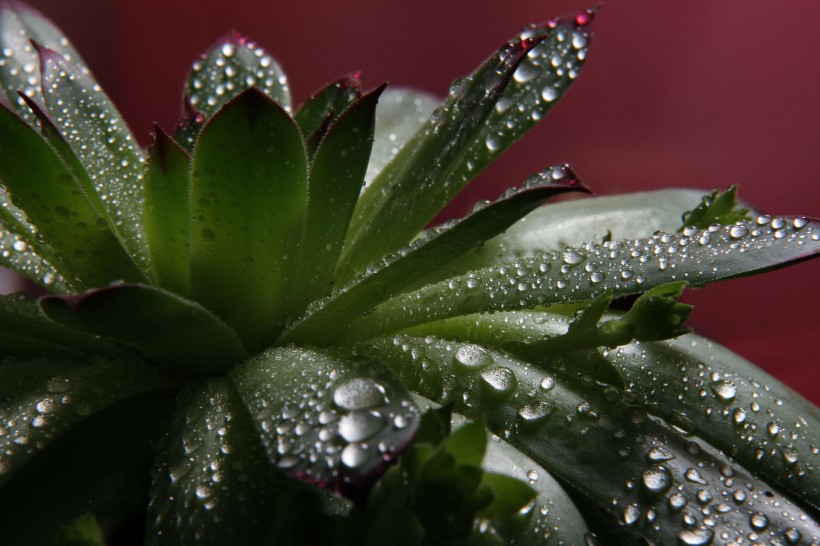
159	323
716	208
478	120
167	212
232	65
248	197
99	466
330	101
623	267
417	183
16	254
609	451
20	69
43	399
334	184
327	318
39	182
211	482
102	143
325	417
556	226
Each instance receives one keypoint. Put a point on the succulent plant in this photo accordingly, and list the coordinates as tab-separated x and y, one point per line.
249	337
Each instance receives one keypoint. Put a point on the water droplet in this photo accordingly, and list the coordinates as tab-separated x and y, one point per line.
694	476
739	416
472	357
758	521
696	537
724	390
738	231
354	455
360	425
677	502
534	413
549	93
499	381
632	513
572	257
659	454
547	383
657	479
359	393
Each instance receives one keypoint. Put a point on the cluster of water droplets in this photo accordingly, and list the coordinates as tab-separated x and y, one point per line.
624	267
211	467
671	483
330	422
102	143
234	65
43	399
538	82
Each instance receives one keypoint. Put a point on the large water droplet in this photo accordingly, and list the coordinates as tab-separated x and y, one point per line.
758	521
499	381
472	357
359	393
696	537
724	390
360	425
657	479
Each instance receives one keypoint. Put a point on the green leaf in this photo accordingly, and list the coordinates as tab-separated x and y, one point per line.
19	69
99	466
556	226
102	142
402	112
417	183
212	481
39	182
454	144
327	318
167	212
334	184
509	495
624	267
760	422
326	417
16	254
26	333
716	208
248	198
83	531
159	323
42	399
189	125
467	444
657	314
232	65
329	102
608	451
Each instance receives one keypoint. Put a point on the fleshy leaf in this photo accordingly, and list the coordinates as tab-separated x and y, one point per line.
327	318
402	112
598	444
16	254
162	324
334	184
624	267
331	101
326	418
167	212
248	197
200	492
657	314
189	125
42	399
26	333
716	208
19	65
80	242
99	466
417	183
478	120
763	425
232	65
556	226
83	531
102	142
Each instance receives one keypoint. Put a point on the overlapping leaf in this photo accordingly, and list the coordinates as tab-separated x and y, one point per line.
324	321
463	136
316	114
660	486
623	267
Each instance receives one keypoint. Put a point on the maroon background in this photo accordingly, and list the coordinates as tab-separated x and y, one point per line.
698	94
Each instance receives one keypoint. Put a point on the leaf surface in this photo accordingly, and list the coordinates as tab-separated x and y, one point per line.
328	102
248	197
162	324
622	267
438	246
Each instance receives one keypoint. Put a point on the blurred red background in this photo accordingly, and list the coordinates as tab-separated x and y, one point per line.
699	94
